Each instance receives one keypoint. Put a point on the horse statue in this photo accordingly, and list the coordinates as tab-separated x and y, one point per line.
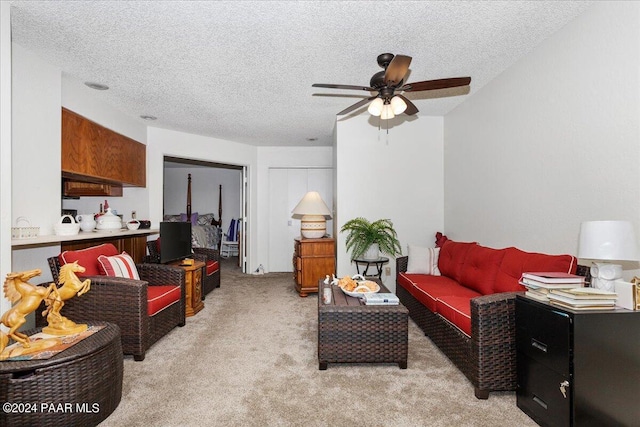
28	297
71	286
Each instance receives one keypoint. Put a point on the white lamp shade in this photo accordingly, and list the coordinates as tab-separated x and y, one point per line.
608	240
387	112
398	105
311	204
375	108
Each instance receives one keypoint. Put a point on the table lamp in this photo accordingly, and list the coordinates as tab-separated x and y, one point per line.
313	214
607	241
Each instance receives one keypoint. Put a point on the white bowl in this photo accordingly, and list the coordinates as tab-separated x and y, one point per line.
134	224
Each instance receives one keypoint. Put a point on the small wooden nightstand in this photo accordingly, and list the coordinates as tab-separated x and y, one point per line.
193	286
313	259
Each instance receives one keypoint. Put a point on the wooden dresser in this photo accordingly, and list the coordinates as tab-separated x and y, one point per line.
313	259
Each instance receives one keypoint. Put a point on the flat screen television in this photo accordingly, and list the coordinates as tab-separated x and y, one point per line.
175	241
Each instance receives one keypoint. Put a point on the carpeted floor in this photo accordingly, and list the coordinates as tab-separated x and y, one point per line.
249	358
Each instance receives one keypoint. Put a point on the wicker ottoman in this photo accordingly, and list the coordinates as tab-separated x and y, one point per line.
351	332
80	386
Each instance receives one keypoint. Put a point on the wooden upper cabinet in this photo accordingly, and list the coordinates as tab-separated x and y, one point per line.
93	153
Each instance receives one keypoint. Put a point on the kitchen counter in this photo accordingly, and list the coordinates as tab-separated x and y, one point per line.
90	235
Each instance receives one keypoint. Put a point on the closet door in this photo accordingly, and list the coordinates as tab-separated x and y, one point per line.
286	189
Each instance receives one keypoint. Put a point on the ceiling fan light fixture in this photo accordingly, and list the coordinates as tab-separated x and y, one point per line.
398	105
376	106
387	112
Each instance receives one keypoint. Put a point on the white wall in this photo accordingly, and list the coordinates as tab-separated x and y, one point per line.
36	94
5	147
398	176
553	141
205	191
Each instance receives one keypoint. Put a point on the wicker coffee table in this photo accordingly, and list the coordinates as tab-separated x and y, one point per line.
351	332
80	386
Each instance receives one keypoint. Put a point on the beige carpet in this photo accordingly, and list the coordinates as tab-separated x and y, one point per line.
249	358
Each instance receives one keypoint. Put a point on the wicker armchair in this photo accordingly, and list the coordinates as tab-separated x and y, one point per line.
124	302
211	258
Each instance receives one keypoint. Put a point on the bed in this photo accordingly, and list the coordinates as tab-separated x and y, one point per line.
205	229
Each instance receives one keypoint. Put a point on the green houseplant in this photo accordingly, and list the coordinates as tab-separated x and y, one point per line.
363	234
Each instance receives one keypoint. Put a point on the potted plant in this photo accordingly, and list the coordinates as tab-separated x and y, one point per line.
364	234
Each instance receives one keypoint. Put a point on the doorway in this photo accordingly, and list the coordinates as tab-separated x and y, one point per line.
215	187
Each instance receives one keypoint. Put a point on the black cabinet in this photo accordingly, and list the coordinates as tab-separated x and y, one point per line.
577	368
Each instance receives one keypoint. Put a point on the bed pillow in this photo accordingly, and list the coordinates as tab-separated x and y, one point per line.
119	266
206	219
423	260
194	218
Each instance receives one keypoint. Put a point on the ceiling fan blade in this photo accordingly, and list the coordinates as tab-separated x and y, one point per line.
396	70
436	84
411	107
352	87
356	105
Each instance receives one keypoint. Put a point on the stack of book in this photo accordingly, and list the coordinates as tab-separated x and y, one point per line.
540	284
381	299
583	298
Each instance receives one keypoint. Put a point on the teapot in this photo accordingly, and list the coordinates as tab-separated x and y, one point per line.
86	221
109	221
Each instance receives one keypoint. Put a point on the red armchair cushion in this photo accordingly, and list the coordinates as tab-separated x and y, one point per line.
212	267
457	310
480	267
88	258
516	262
452	257
161	297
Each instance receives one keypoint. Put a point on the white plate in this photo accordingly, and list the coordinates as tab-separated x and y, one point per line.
356	294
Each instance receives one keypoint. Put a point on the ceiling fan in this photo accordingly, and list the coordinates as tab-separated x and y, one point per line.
389	83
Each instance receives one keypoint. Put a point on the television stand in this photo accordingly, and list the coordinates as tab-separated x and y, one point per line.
193	286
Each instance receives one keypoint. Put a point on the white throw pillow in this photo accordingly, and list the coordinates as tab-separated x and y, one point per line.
119	266
423	260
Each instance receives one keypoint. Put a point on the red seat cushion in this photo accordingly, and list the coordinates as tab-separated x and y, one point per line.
516	262
452	257
212	267
428	289
480	267
161	297
457	310
88	258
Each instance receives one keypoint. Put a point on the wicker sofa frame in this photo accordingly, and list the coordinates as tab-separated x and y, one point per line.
124	302
488	357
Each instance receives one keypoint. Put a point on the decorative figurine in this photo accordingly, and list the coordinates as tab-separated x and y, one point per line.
28	297
71	285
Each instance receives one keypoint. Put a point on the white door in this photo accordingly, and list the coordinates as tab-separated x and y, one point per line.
286	188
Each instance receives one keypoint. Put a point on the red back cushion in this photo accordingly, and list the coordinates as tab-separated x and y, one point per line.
452	257
516	262
480	268
88	258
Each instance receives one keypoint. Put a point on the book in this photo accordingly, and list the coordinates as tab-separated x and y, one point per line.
381	299
535	284
585	293
582	307
537	296
580	302
553	277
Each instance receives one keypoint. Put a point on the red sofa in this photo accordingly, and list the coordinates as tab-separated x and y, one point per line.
469	310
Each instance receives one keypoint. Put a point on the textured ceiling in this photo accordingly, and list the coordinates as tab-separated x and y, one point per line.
242	71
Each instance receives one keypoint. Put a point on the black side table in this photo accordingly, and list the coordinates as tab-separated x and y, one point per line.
378	263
